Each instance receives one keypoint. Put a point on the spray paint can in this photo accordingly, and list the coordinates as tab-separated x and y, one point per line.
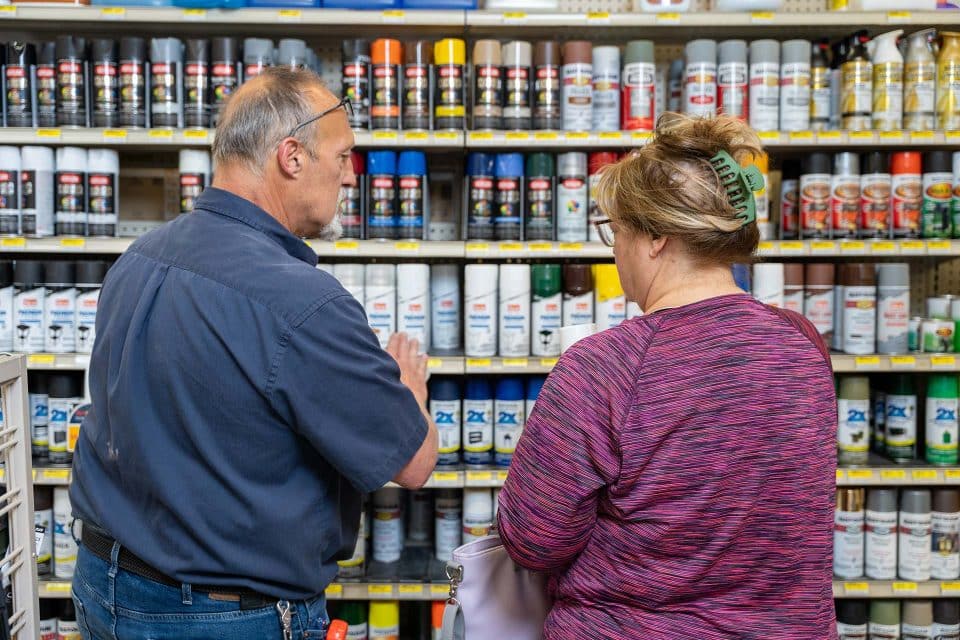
577	91
448	527
258	55
43	517
106	83
859	308
412	170
848	524
764	85
851	619
449	57
577	294
920	83
381	300
194	177
166	82
477	514
875	187
901	423
768	283
547	310
103	172
509	409
6	306
845	195
224	74
595	163
546	89
48	614
488	85
937	195
946	619
539	210
793	287
37	191
514	313
606	89
675	82
39	415
89	277
917	619
762	197
71	204
355	75
352	277
955	197
639	86
413	302
417	60
820	86
818	298
508	170
887	82
196	83
517	59
915	535
480	300
534	386
445	402
880	541
384	620
19	74
945	540
790	200
893	308
445	306
71	81
387	525
292	54
386	58
795	85
133	82
481	202
941	420
60	307
815	188
948	82
907	190
64	547
610	302
419	516
836	343
353	569
572	197
9	191
63	399
733	79
477	423
47	85
853	417
700	79
856	94
353	200
661	90
381	215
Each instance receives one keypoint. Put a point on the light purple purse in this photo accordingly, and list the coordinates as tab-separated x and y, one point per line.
491	598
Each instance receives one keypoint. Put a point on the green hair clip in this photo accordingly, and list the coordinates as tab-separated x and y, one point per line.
739	183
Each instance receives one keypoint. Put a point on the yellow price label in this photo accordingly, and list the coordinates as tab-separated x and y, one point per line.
577	135
346	245
823	245
549	362
913	245
516	362
861	135
478	246
289	15
8	11
334	590
445	476
951	474
891	136
73	243
867	362
801	136
924	475
893	474
898	16
13	243
840	475
610	135
919	136
42	359
447	136
478	363
410	589
856	587
114	134
439	590
514	16
668	17
791	245
541	246
502	476
48	134
194	14
379	590
517	135
761	16
57	474
481	135
943	361
546	135
883	246
161	134
34	474
385	135
766	247
853	246
598	16
416	135
393	15
113	13
434	363
769	136
571	246
3	473
952	136
641	137
949	587
904	587
829	136
903	362
511	246
860	474
479	476
407	245
58	587
938	245
196	134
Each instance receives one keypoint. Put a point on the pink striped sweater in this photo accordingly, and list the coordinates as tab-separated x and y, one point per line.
677	477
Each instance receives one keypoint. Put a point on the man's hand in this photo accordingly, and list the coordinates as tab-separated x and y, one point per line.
413	366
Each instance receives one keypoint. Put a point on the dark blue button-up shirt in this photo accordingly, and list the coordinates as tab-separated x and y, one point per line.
241	404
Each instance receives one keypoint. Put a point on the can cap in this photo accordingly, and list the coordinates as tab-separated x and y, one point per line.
71	159
359	162
816	163
349	274
436	616
906	162
412	163
62	385
852	612
854	388
895	274
793	274
701	51
418	52
858	274
169	49
103	49
876	162
292	52
885	612
37	382
382	162
846	163
445	389
764	51
380	275
577	51
37	158
849	499
9	158
902	385
480	164
387	498
135	49
882	500
386	51
946	611
639	51
194	161
918	612
947	500
477	389
607	281
508	165
915	500
355	48
198	50
60	273
577	279
517	53
600	159
732	51
450	51
90	273
71	47
676	69
573	163
487	52
478	504
545	280
534	385
510	389
103	161
938	161
606	58
820	274
48	53
795	52
540	164
6	273
223	50
546	52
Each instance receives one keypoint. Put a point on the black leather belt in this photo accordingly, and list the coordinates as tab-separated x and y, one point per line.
101	545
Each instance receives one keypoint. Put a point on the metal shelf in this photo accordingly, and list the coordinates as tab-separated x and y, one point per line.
479	249
58	361
857	248
895	589
53	588
109	246
882	472
387	249
509	365
918	362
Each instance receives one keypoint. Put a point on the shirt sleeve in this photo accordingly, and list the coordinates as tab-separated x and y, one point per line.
568	453
342	392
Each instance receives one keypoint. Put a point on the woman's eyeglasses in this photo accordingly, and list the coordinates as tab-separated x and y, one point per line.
604	230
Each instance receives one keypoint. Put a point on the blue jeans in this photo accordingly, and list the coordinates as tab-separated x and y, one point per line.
114	604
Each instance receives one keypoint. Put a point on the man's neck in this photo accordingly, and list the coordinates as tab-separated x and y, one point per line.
249	186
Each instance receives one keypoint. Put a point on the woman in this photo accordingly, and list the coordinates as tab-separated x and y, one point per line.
676	477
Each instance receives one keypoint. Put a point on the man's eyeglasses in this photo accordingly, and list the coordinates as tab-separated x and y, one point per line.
344	103
604	230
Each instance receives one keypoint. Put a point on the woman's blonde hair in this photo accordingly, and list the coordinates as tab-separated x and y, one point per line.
668	188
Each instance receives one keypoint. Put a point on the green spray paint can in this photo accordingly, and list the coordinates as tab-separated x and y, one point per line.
941	421
901	428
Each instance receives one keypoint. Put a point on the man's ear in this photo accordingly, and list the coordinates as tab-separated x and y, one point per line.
289	157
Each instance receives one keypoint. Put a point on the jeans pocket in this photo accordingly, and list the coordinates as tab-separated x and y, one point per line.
85	631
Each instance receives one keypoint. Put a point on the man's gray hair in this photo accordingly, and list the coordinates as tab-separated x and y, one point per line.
256	120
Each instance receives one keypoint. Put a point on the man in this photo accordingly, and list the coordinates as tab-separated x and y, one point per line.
241	404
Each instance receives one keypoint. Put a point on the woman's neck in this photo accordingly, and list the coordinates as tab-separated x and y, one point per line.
678	285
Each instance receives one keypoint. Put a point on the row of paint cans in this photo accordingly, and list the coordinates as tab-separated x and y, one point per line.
939	330
898	618
480	423
57	551
883	534
58	620
389	619
57	411
49	306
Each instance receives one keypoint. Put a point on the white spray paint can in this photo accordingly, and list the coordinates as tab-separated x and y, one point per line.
445	306
477	514
351	277
381	300
480	300
606	88
28	300
514	316
768	283
448	523
60	307
36	191
64	547
6	306
413	302
848	523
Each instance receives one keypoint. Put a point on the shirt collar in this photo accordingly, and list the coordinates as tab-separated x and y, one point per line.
230	205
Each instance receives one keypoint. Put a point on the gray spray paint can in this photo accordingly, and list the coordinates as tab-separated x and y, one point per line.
893	307
915	535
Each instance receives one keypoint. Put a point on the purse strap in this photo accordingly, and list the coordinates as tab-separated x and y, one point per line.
454	627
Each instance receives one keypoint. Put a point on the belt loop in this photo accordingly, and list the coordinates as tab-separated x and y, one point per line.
114	559
186	593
